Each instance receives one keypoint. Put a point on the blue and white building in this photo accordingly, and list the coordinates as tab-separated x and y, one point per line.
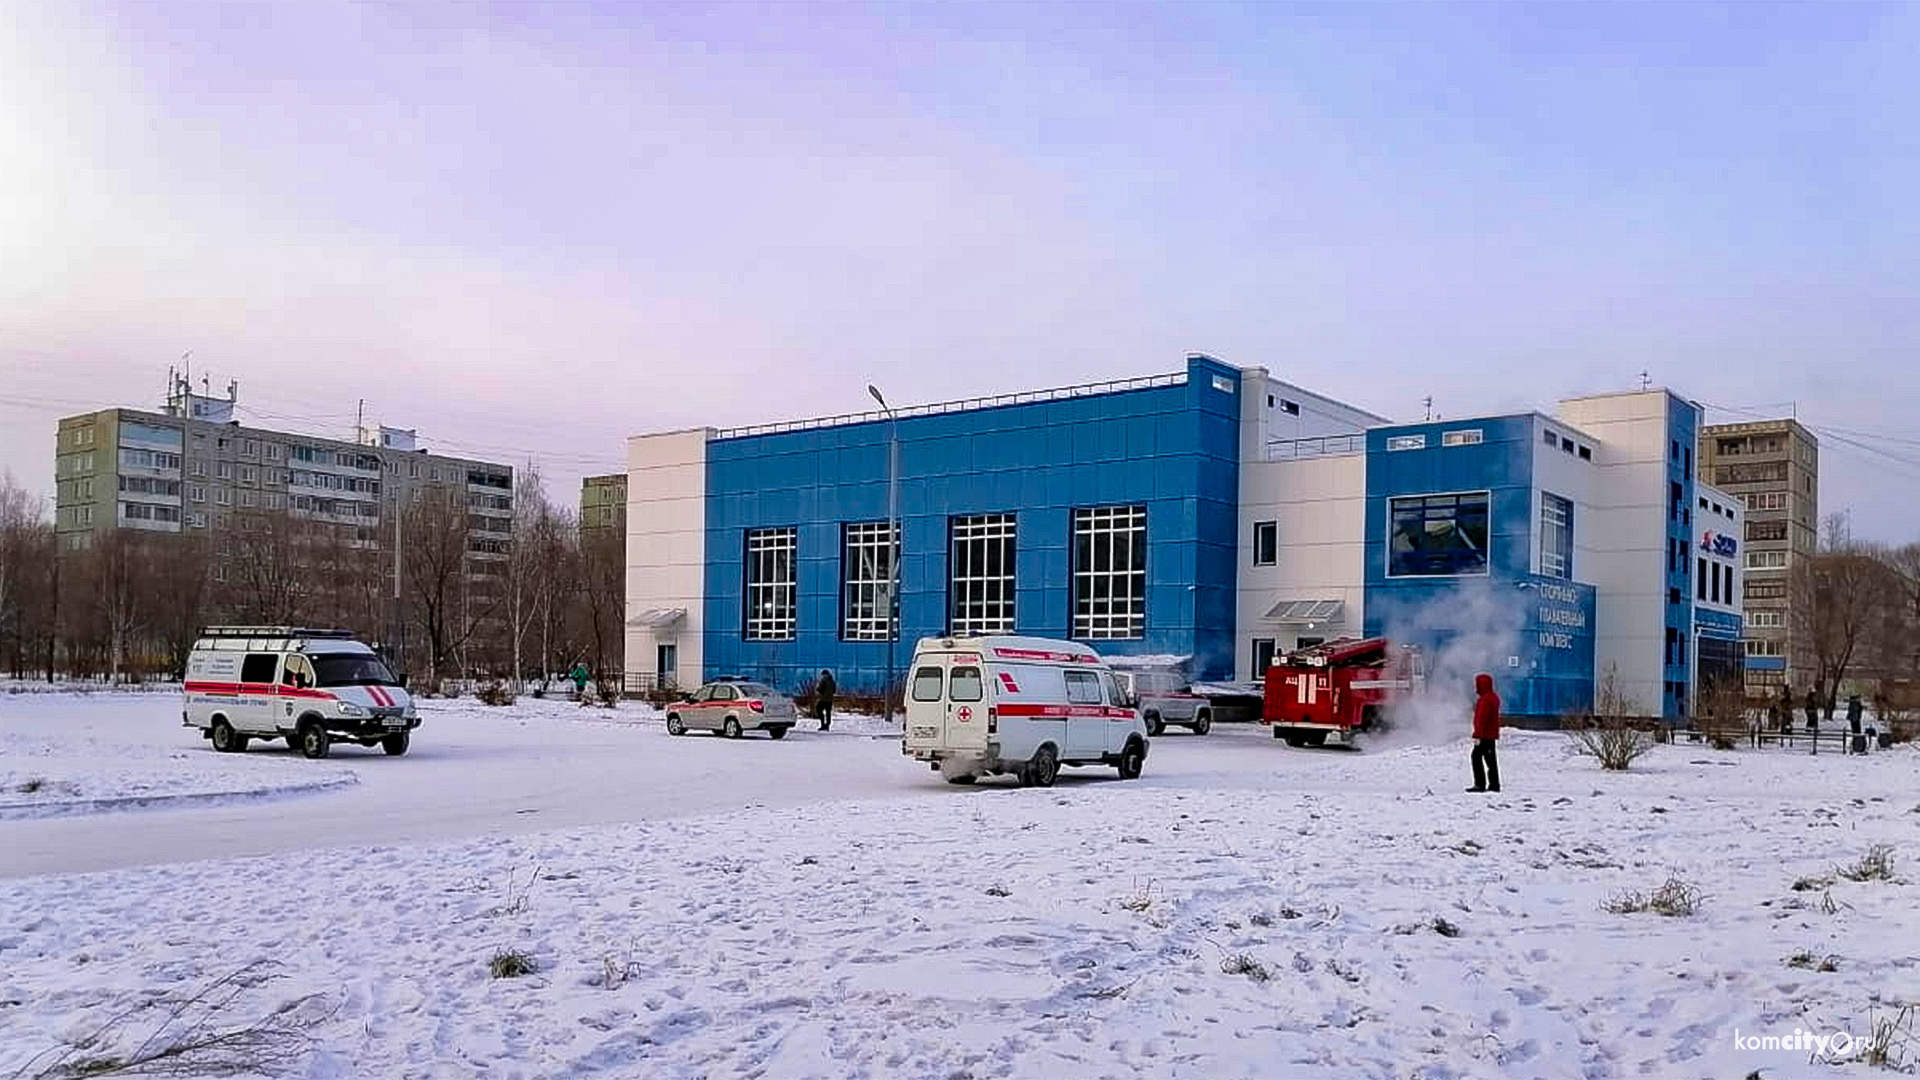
1215	514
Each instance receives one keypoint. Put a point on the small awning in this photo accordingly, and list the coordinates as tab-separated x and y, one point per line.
658	617
1306	612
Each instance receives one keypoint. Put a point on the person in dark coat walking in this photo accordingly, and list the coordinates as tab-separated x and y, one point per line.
1813	710
823	699
1486	732
1854	710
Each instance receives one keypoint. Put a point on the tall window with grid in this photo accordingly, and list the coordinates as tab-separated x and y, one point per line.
980	582
770	585
866	572
1109	572
1556	536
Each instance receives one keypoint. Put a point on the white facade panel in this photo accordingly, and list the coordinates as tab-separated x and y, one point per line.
1319	509
666	554
1628	555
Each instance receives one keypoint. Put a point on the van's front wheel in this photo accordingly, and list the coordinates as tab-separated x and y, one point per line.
1042	770
1203	722
1155	725
314	740
1132	761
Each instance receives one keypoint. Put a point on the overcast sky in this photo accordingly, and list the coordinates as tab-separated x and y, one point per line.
535	230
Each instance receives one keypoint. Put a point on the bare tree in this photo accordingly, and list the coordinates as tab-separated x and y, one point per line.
121	574
436	558
1899	652
524	567
603	584
182	571
263	562
1840	597
18	517
556	589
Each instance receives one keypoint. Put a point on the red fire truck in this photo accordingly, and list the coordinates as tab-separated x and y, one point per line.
1338	689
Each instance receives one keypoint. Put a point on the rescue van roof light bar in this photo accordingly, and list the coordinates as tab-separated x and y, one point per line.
273	632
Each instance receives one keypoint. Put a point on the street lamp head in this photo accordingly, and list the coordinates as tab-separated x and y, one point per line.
875	391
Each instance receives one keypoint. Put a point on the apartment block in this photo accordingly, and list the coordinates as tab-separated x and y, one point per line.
191	468
1773	468
603	504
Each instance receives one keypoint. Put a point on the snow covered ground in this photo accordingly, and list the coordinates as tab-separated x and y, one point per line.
70	772
1243	910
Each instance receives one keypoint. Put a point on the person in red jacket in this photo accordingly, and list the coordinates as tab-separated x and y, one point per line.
1486	732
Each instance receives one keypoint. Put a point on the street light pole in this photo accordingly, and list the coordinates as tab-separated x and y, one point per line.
893	545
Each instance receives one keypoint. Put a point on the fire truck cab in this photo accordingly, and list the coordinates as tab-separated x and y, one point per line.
1338	689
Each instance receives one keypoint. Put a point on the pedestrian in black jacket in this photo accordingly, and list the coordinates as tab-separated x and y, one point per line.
823	699
1854	710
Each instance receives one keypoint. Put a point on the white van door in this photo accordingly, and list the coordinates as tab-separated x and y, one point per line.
947	703
1086	715
253	709
1120	714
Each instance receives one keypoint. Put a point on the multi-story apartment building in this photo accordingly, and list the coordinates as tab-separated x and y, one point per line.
1773	468
603	504
191	468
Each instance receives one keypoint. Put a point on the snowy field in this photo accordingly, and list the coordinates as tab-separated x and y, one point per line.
821	907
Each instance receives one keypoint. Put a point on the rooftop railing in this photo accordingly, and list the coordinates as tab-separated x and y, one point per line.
1147	382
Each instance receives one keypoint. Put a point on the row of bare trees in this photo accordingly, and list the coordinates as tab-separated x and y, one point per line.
130	603
1855	614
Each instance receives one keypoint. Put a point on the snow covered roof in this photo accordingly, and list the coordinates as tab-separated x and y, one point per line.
658	617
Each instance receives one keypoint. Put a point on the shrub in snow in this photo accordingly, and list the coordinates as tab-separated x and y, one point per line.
495	692
1807	961
1675	899
1875	865
1612	734
511	964
1242	964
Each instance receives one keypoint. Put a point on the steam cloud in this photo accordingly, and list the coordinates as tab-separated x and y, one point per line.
1469	629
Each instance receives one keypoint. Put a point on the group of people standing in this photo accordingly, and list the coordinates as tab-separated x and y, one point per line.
1780	712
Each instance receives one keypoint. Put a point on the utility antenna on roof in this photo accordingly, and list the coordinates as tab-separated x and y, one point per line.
1429	403
1646	381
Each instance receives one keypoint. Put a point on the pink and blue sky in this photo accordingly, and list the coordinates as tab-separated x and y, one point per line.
532	230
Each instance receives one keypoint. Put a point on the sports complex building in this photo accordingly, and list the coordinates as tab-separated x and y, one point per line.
1215	514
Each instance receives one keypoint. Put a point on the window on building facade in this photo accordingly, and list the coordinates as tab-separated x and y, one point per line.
1109	572
1700	588
1262	656
1466	437
1586	453
1407	442
1766	531
1550	439
868	551
1438	535
1766	560
1751	472
223	470
770	584
1556	536
197	493
1266	543
223	496
980	575
1766	590
1767	620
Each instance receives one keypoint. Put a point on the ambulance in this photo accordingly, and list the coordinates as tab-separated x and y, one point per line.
310	687
1024	706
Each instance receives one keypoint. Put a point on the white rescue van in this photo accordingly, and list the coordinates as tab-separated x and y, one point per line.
309	687
994	705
